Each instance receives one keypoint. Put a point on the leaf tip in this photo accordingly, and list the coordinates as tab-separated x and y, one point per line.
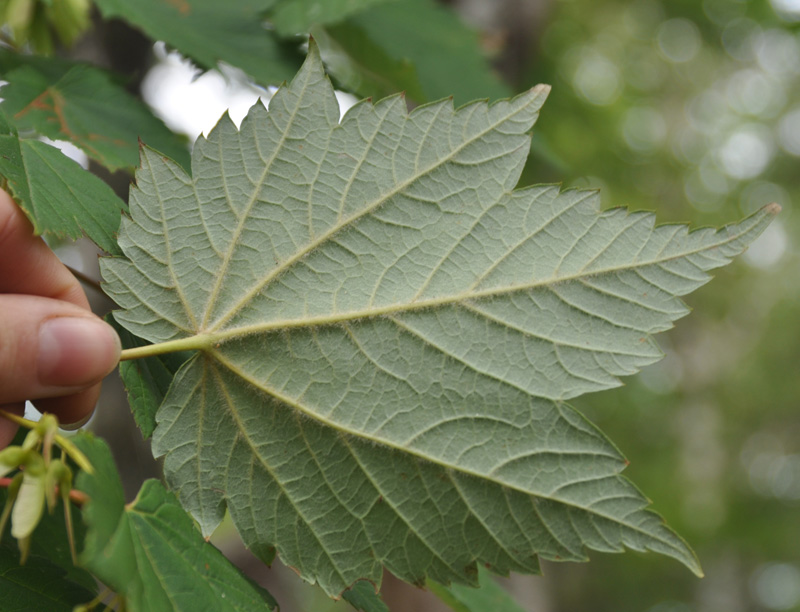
773	209
313	46
693	564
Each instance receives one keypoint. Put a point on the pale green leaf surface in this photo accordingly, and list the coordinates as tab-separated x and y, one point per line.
389	332
151	552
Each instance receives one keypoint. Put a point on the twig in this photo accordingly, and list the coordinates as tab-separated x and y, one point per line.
85	278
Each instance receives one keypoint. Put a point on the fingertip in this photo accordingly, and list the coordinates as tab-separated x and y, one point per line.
28	265
76	351
77	424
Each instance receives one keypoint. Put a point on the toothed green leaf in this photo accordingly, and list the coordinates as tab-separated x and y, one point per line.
150	551
490	596
387	334
59	197
40	584
82	104
210	31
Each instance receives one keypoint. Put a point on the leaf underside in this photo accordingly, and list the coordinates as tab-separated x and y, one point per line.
390	333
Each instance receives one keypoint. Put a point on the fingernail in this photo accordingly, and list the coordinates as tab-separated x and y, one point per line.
77	424
76	351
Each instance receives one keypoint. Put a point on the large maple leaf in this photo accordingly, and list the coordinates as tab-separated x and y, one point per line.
386	334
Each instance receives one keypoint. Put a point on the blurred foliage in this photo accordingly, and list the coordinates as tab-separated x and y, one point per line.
692	109
44	23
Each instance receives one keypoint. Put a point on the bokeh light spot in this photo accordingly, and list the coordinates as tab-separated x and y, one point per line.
679	40
643	129
777	586
777	52
752	92
596	78
766	251
737	38
789	132
788	9
760	193
722	12
747	152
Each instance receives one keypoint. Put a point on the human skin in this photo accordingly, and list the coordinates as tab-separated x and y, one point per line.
53	350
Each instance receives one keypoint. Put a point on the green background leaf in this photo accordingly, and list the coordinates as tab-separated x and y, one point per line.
489	596
37	585
82	105
297	16
51	544
58	196
362	597
146	380
428	40
48	580
389	334
360	64
209	31
150	551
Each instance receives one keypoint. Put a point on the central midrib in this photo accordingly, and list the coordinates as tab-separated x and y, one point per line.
214	337
368	208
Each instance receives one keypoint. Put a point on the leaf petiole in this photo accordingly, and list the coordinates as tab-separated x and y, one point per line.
193	343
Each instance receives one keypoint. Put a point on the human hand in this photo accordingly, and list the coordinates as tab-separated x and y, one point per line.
52	348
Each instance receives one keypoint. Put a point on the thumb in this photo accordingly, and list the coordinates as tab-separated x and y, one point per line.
51	348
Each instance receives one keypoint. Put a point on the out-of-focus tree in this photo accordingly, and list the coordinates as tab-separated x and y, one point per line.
693	109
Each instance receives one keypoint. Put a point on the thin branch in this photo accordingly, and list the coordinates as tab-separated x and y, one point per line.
86	279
